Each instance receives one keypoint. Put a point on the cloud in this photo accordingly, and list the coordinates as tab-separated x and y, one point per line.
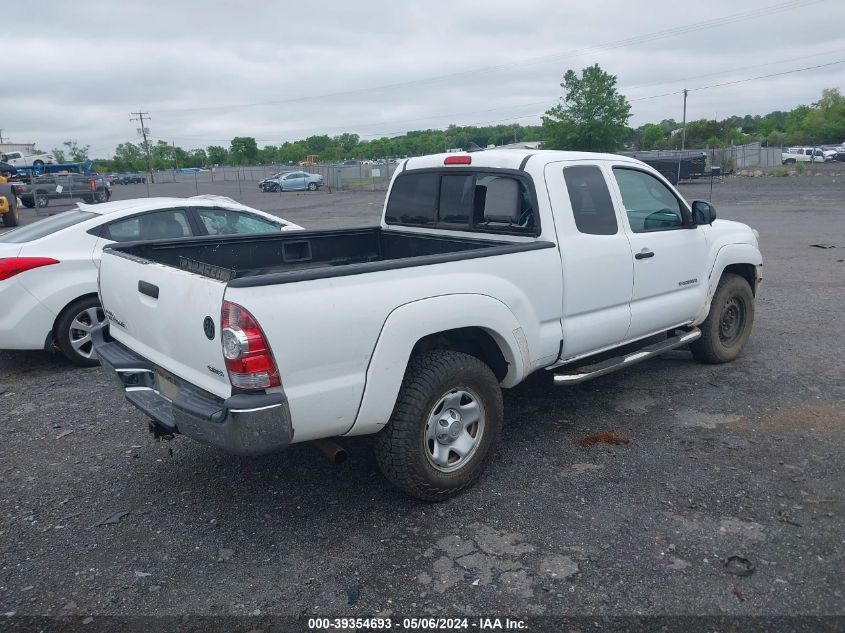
208	71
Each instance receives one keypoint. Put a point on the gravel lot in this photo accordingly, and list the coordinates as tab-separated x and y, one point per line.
740	460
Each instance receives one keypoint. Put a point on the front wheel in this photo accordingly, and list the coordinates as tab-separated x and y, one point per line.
727	327
73	330
444	428
789	161
312	186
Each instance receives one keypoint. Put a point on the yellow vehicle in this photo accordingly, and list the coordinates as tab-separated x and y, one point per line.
8	205
310	160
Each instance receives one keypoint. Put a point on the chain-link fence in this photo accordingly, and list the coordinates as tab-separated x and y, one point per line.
354	177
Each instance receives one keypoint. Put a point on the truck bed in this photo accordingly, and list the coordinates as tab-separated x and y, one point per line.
256	260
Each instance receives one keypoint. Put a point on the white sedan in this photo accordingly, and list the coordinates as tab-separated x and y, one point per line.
48	269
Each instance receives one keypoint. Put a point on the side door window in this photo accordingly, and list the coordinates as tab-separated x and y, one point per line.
592	206
157	225
649	204
227	222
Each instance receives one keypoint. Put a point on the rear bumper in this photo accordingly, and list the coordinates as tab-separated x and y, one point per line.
243	424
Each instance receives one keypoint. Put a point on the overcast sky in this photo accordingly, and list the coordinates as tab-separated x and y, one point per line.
207	71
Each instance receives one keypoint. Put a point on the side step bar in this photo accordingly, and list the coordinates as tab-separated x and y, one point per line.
580	374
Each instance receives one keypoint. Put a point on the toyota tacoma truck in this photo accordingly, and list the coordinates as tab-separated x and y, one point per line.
486	267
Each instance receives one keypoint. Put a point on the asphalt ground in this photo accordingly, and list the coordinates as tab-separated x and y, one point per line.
743	460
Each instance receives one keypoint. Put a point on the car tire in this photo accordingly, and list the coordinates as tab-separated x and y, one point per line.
101	196
440	391
12	216
38	163
727	327
41	200
789	161
312	186
73	330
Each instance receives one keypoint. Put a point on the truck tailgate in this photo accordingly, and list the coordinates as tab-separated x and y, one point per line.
164	314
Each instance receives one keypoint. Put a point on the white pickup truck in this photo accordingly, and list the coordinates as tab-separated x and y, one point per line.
487	266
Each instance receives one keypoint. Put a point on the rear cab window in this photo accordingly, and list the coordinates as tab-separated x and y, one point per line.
157	225
47	226
491	201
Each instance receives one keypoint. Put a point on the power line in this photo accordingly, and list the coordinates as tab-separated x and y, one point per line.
663	34
665	94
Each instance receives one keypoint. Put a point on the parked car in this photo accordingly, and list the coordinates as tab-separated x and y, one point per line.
839	154
265	184
292	181
133	179
48	269
19	159
486	268
792	155
90	188
6	168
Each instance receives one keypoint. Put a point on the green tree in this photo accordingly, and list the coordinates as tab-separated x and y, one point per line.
291	153
76	152
592	116
243	150
128	157
650	135
217	155
59	154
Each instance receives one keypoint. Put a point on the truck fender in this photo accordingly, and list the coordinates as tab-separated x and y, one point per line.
727	255
411	322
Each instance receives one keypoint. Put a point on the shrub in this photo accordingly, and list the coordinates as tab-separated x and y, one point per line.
780	171
799	168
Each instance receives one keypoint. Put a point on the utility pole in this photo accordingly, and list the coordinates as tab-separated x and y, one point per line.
1	136
140	118
683	135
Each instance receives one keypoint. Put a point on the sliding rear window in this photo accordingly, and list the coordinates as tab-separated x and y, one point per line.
494	201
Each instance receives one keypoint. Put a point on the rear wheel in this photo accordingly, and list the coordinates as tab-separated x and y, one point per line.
789	161
727	327
41	200
444	428
73	330
38	163
101	196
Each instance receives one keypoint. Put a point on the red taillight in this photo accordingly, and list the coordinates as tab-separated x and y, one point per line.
248	357
458	160
11	266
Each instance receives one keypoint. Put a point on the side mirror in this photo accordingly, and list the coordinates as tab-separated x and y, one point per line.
703	212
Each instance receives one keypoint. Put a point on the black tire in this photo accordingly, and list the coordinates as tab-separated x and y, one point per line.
12	216
789	161
312	186
38	163
41	199
727	327
101	196
401	448
64	325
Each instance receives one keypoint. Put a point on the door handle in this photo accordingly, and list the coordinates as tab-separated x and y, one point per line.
146	288
644	254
